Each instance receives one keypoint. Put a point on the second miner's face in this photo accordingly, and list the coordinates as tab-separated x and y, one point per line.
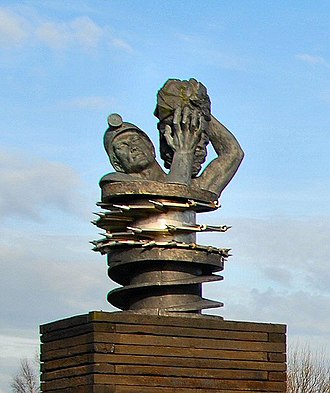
132	152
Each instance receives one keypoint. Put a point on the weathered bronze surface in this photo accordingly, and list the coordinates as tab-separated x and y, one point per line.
149	216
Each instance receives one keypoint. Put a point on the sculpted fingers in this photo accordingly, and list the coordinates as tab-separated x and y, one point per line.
168	137
177	131
186	119
195	128
186	129
177	117
198	129
194	120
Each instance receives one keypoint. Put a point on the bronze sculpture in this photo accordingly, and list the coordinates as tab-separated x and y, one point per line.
150	216
149	222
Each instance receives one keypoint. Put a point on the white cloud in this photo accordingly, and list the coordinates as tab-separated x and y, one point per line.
44	276
14	29
121	44
91	102
13	346
198	45
278	275
306	314
47	277
86	32
314	60
54	35
186	38
279	272
281	246
78	33
30	185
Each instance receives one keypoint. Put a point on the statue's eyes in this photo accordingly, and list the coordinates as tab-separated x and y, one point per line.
122	146
135	140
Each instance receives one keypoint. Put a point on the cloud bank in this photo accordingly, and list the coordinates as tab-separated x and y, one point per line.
279	272
14	29
17	29
312	59
31	185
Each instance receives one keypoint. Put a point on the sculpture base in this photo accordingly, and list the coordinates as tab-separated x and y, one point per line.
126	352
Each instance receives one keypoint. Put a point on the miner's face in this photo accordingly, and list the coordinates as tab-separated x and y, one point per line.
132	151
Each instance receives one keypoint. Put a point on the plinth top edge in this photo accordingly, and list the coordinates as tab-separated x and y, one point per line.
150	188
198	321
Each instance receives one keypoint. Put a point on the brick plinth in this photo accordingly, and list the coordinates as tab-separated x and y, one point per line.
122	352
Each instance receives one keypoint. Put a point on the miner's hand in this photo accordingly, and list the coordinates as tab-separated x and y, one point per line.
186	131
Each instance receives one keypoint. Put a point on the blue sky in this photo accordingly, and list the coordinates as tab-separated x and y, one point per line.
66	65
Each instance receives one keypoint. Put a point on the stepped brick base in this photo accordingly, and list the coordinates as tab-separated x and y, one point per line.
123	352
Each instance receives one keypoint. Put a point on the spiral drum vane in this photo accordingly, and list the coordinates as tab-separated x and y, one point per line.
150	241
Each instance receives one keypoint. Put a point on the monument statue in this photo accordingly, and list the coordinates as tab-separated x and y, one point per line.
185	126
160	341
149	215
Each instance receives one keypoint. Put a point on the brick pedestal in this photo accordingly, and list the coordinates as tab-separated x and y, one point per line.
122	352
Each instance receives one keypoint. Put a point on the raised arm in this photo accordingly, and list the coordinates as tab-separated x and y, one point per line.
220	171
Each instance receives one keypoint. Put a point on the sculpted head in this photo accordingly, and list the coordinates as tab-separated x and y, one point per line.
129	149
176	93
